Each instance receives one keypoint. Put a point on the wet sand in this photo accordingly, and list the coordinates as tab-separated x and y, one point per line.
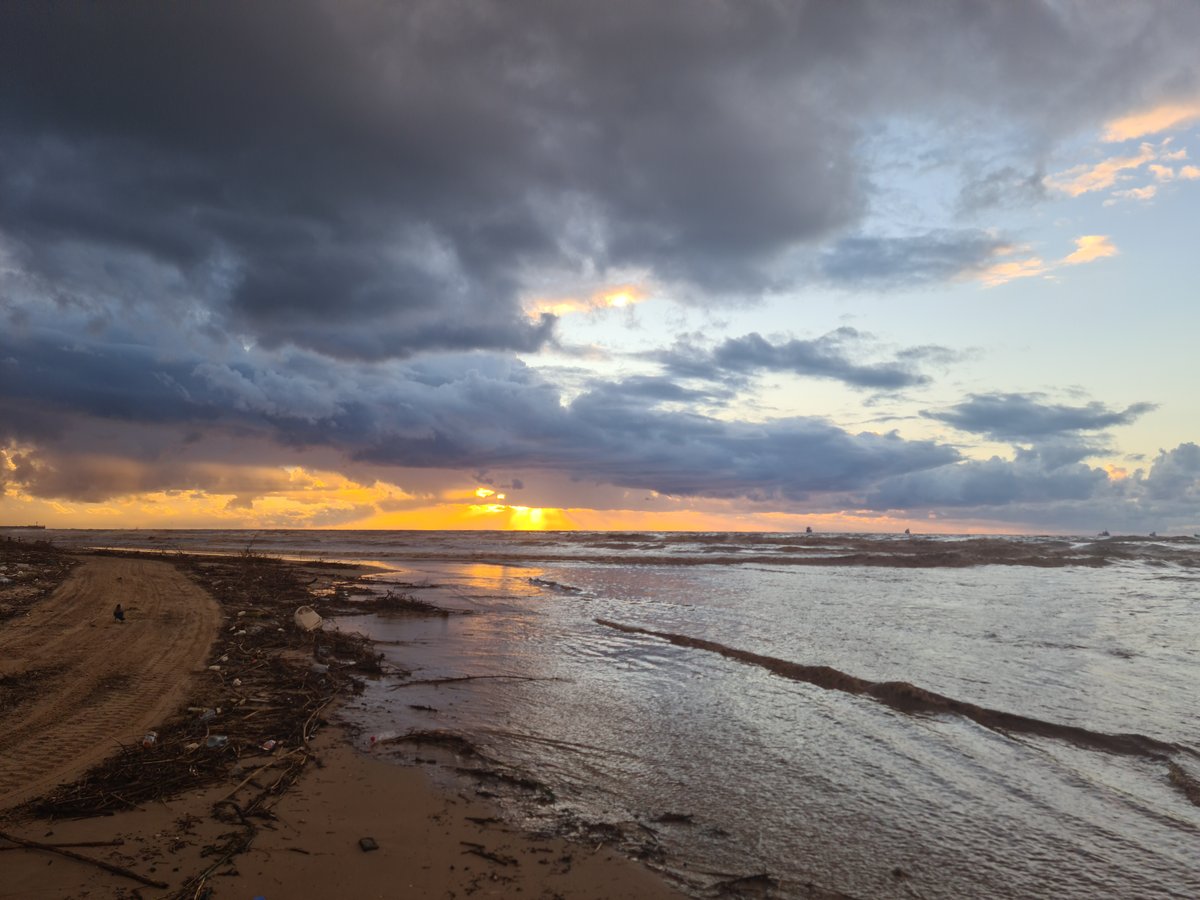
79	685
431	844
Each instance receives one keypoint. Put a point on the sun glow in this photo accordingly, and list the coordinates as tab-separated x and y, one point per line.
619	297
297	497
517	518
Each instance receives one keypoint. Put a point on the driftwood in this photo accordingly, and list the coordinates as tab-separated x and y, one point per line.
70	854
457	679
479	850
117	843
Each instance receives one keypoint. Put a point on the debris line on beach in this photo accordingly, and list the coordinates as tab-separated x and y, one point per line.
909	698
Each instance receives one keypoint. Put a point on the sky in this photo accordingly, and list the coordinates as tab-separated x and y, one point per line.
704	265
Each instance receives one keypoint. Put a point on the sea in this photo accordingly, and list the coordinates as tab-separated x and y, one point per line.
798	715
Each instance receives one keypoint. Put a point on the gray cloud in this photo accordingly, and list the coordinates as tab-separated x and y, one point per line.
1175	477
226	426
1026	417
471	412
1003	187
993	483
1040	492
910	261
830	356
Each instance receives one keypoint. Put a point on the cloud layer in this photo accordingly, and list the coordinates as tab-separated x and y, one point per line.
230	229
372	180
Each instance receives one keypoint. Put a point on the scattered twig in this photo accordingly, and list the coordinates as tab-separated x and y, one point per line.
480	850
116	870
455	680
117	843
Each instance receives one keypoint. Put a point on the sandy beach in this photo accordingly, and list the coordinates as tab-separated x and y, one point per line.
76	687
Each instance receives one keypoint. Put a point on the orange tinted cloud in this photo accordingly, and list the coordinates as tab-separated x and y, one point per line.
1083	179
1151	121
1004	272
1143	193
1090	247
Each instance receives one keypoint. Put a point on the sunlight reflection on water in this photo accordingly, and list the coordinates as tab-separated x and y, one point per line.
813	785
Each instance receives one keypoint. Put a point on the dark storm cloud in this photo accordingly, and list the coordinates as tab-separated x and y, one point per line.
830	356
482	412
620	436
994	483
1035	491
470	412
1026	417
910	261
658	389
370	179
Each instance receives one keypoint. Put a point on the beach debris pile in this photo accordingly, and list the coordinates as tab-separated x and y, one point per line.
252	713
260	700
350	600
29	570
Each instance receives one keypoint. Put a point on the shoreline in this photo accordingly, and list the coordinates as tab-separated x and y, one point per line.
302	806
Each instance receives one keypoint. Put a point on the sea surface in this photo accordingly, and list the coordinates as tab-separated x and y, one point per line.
873	716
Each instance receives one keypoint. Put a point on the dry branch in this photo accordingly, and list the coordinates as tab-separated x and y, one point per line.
54	848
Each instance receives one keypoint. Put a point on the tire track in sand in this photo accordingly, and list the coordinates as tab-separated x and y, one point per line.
110	682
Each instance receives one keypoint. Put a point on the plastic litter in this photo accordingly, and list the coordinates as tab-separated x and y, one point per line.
216	740
307	618
150	739
269	745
